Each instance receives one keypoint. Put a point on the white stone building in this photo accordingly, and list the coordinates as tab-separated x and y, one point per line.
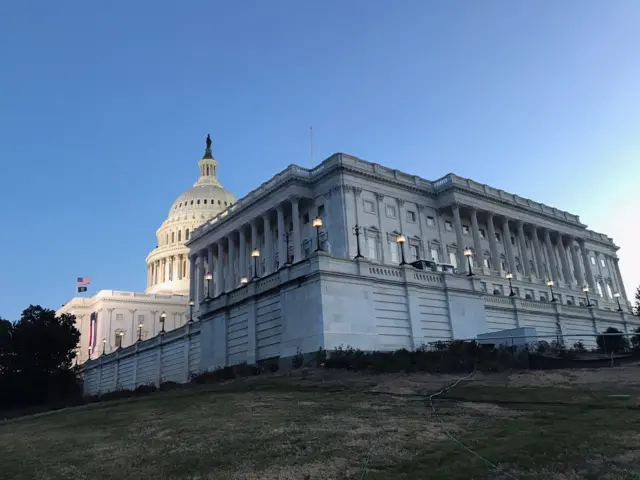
292	297
112	319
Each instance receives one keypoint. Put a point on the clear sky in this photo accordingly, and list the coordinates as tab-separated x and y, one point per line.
104	107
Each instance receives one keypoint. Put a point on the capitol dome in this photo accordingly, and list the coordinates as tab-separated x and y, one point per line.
168	263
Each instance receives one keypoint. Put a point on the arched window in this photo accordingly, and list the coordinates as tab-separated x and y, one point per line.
179	235
173	237
191	202
198	202
205	201
219	202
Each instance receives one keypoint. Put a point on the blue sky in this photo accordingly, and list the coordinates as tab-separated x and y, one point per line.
104	107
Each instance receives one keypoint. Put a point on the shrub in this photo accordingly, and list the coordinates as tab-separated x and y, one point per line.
613	341
167	386
145	389
297	360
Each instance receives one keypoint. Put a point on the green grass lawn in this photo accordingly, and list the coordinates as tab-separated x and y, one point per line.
333	425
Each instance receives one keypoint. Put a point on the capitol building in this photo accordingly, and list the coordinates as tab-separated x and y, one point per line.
349	253
114	319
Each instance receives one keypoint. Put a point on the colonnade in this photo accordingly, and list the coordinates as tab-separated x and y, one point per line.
551	255
229	259
167	269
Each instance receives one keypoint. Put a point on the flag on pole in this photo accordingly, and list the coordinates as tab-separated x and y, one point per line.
81	284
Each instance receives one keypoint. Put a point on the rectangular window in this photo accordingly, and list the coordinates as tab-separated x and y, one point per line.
119	317
393	248
481	231
465	230
503	265
581	302
372	247
593	260
448	226
415	252
528	294
390	211
513	240
526	243
497	289
305	218
306	247
321	210
602	264
453	259
486	263
543	296
118	340
570	300
431	222
369	206
411	216
434	255
140	319
497	237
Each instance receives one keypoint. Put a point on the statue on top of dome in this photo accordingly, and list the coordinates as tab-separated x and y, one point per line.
207	152
208	142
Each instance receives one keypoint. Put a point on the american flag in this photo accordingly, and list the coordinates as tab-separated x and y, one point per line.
82	281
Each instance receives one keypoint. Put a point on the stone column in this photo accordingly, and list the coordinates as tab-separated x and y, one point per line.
255	244
506	241
493	244
457	224
477	244
242	253
566	271
210	285
219	268
524	255
231	263
577	268
384	245
268	245
539	259
295	219
192	277
552	257
587	266
282	229
620	281
200	277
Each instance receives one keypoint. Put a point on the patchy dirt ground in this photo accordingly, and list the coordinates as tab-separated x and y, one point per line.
318	424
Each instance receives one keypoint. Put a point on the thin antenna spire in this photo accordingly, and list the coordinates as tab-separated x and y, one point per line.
311	144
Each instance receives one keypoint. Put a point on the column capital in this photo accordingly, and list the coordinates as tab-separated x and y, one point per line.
379	196
294	199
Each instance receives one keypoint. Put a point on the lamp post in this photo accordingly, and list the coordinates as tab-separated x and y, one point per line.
244	281
468	253
509	276
617	295
121	335
317	224
356	232
400	240
104	346
208	277
585	289
191	304
550	285
163	317
287	238
255	253
140	331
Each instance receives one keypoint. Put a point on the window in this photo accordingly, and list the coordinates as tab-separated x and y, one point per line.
599	287
543	296
602	264
393	249
465	230
140	319
411	216
179	235
570	300
513	240
448	226
173	237
485	262
528	294
481	231
503	265
305	218
581	302
518	268
497	289
414	251
372	248
205	201
390	211
198	202
306	247
369	206
609	291
434	255
119	317
431	222
497	237
483	286
526	243
453	259
119	339
593	260
186	234
321	210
